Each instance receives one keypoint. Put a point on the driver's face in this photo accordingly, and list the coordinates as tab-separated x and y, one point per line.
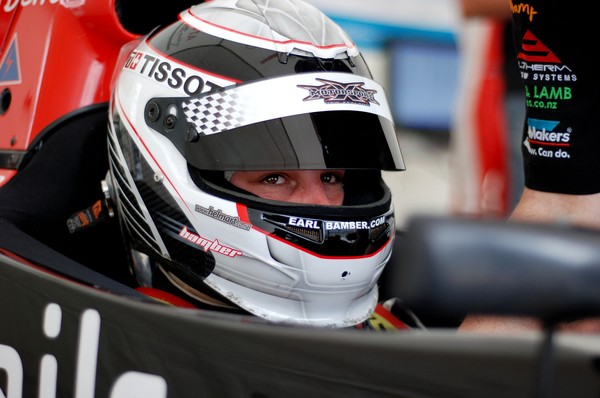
322	187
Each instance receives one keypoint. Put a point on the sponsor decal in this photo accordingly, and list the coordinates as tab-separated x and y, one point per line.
207	244
84	379
172	74
533	50
226	218
546	97
343	225
542	139
10	71
253	102
553	92
304	223
538	65
10	5
332	92
523	8
335	225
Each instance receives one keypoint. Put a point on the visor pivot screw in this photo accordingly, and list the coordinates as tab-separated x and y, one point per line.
152	112
170	121
283	58
158	177
192	135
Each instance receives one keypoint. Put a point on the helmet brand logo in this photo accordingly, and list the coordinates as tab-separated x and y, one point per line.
208	245
335	92
165	72
226	218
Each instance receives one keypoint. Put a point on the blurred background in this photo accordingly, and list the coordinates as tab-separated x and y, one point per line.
411	48
450	72
440	68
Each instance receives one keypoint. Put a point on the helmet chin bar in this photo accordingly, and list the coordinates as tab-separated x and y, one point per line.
193	292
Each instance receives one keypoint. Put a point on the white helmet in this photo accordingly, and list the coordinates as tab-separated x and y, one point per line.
254	85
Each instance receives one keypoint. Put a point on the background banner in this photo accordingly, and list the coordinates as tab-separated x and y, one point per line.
71	340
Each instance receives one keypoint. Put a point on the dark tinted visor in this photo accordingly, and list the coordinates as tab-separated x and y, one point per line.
324	140
321	140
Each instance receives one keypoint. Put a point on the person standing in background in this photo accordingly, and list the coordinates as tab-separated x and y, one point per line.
487	171
560	136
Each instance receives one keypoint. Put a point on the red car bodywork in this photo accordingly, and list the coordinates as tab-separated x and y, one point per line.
56	57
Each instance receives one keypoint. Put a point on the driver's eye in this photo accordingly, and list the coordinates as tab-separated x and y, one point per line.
331	178
273	179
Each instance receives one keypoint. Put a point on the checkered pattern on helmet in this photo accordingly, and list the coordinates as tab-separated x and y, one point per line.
215	112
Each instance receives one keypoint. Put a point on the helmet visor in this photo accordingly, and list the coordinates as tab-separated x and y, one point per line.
326	140
304	121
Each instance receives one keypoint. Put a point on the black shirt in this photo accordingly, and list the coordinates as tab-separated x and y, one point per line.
555	43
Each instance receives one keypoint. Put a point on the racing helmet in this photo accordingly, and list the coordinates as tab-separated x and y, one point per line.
253	85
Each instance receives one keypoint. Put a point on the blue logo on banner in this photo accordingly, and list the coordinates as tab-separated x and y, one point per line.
540	124
9	66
